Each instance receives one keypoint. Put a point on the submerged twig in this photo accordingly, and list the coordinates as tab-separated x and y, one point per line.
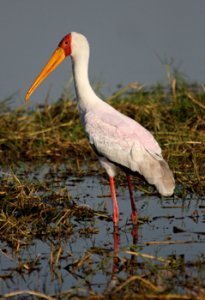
146	282
28	292
148	256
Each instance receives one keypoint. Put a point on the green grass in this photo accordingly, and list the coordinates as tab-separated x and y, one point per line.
52	133
174	114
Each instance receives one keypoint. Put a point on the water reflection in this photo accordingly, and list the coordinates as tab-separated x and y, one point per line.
99	260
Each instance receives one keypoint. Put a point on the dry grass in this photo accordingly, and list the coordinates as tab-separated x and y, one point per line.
175	115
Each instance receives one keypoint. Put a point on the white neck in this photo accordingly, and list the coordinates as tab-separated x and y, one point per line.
85	95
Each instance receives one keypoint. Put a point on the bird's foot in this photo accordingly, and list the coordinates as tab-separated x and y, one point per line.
116	230
116	237
135	234
115	219
134	217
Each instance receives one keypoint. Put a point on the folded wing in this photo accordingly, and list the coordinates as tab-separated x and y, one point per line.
124	141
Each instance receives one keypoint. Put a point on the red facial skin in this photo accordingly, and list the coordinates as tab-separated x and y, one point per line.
65	44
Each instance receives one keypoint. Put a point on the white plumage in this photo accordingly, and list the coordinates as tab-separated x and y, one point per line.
113	135
119	141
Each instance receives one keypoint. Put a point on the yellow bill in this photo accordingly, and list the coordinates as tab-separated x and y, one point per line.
57	57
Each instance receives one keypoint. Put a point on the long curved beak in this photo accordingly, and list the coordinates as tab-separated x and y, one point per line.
57	57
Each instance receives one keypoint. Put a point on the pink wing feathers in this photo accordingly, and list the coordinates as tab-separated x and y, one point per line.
130	129
119	138
111	126
125	142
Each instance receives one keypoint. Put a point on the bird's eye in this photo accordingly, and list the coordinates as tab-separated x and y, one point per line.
66	42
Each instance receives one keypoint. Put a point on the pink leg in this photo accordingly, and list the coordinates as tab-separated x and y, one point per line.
114	202
115	268
134	216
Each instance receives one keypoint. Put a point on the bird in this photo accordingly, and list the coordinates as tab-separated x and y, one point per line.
118	141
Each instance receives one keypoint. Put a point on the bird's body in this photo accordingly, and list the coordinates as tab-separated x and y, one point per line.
119	141
122	142
116	138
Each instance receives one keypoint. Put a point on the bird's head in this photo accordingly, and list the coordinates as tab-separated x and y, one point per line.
71	45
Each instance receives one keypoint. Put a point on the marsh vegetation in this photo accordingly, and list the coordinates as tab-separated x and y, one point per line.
55	220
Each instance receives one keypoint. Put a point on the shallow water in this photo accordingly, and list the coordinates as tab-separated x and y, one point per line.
167	228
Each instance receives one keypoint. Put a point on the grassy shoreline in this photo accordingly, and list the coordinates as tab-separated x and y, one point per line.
174	115
30	210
